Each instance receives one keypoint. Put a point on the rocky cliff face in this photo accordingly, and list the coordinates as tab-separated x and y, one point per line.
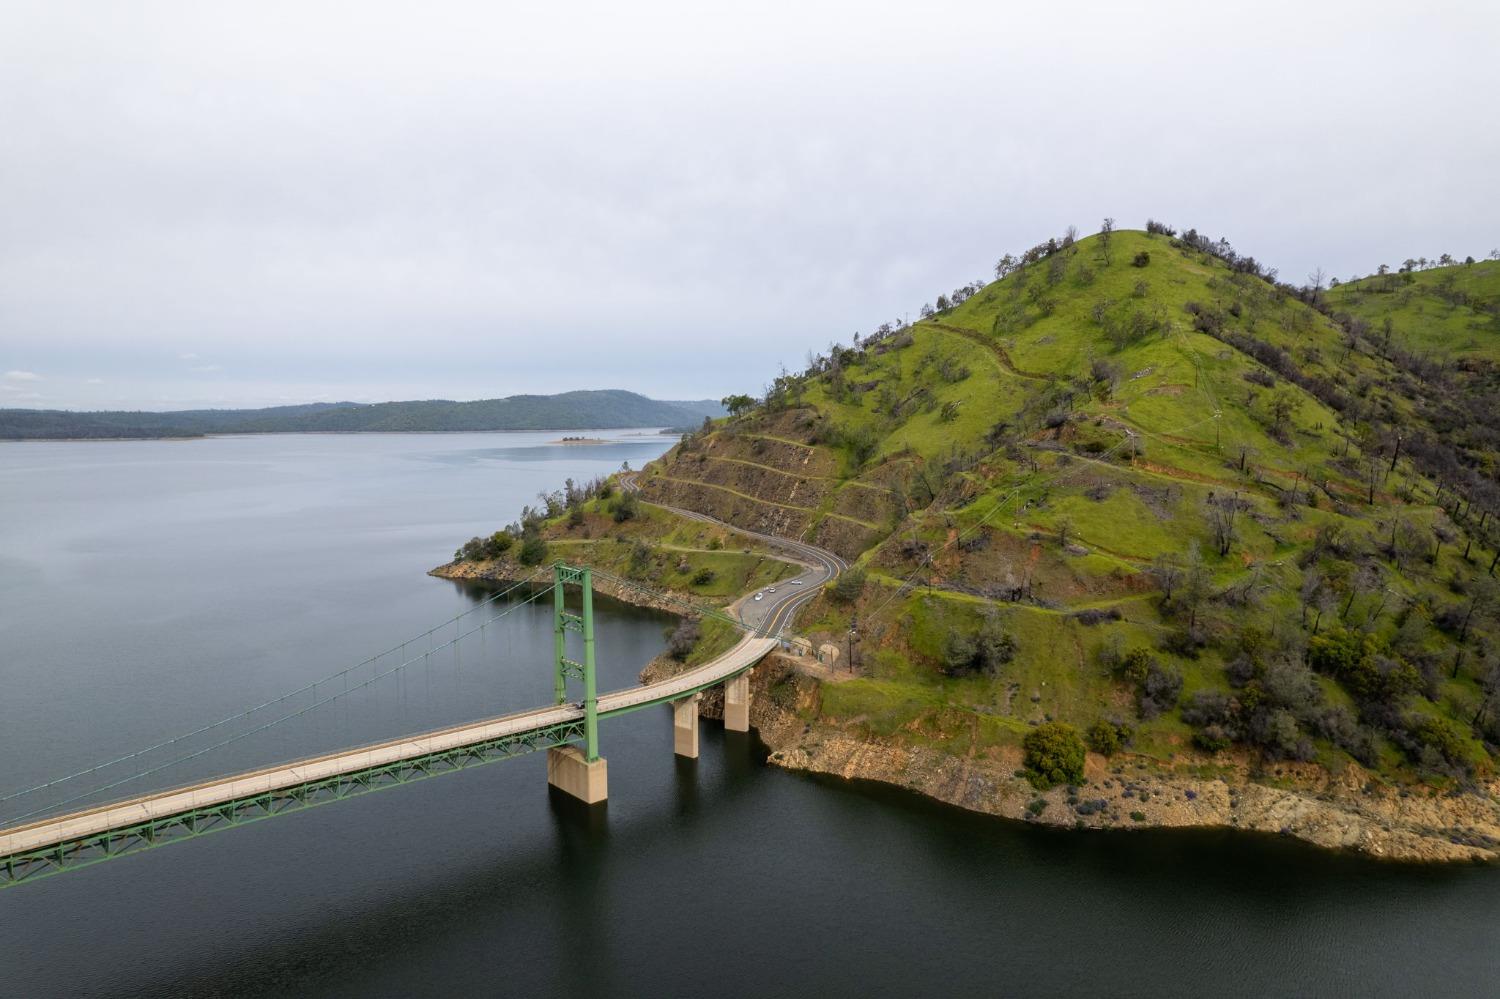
1347	812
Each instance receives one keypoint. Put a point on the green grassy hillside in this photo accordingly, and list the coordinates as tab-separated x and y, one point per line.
1452	311
1135	486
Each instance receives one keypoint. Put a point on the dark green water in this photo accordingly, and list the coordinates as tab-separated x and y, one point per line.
148	587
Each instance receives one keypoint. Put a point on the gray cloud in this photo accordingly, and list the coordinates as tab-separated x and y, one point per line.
470	201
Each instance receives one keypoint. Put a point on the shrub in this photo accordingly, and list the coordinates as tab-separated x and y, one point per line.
1097	615
640	559
1212	738
682	638
1108	737
1356	662
1159	691
1135	664
1209	707
533	548
983	652
1142	259
1054	755
627	507
703	576
848	587
1437	745
1340	727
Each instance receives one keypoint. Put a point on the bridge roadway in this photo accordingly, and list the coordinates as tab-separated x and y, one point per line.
302	783
47	833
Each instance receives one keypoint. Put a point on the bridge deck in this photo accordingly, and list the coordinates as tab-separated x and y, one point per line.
50	832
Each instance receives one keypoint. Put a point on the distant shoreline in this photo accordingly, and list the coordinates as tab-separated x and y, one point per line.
642	432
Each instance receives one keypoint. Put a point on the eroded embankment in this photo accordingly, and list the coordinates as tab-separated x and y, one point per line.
1345	812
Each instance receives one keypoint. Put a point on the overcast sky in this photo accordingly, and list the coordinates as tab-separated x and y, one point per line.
254	204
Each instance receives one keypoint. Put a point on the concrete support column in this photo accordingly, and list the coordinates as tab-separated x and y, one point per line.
685	726
737	703
568	770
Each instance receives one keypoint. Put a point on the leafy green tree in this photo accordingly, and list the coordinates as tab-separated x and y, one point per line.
533	548
737	404
1054	755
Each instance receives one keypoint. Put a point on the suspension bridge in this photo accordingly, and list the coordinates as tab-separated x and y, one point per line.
567	729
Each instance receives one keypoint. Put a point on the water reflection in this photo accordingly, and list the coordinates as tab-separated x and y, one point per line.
275	558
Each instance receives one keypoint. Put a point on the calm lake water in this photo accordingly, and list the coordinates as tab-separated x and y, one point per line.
148	587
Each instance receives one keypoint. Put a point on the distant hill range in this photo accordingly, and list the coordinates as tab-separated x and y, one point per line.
583	410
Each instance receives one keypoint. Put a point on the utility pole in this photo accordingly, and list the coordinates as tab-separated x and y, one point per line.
853	629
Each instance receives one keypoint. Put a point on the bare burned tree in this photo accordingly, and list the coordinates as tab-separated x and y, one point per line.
1313	586
1196	584
1221	514
1166	569
1106	232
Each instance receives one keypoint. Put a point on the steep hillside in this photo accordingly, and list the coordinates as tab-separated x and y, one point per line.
1115	421
1136	486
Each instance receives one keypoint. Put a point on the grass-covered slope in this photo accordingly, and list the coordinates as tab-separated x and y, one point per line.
1451	312
1138	487
1030	472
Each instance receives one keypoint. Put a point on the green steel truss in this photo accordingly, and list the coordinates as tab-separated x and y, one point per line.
564	621
98	848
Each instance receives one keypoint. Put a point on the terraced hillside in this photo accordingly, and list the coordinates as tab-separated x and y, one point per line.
1158	485
1136	486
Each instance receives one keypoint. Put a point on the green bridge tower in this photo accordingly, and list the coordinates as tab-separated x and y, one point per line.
583	775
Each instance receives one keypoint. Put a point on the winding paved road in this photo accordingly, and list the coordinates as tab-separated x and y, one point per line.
774	612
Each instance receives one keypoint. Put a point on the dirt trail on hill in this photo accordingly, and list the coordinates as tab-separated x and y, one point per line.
994	348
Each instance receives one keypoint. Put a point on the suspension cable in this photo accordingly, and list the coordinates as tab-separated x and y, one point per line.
278	700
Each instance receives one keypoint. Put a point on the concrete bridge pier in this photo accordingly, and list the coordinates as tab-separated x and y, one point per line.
685	726
570	771
737	703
